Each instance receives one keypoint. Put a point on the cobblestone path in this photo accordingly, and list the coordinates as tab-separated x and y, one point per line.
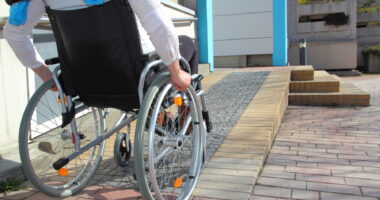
226	100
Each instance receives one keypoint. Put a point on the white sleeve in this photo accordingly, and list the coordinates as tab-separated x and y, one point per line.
159	28
19	37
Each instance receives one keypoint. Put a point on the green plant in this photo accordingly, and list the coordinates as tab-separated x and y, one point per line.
303	2
375	49
368	3
11	184
368	7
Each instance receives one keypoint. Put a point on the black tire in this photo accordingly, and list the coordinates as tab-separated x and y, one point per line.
122	151
150	167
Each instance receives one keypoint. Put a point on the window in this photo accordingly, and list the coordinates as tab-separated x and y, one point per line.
335	19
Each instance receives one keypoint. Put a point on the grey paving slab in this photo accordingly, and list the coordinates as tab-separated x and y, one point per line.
226	101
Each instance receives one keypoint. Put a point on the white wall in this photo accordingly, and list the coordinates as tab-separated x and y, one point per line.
182	28
13	91
327	55
243	27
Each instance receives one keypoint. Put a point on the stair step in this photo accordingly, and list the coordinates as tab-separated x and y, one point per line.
323	82
302	73
349	95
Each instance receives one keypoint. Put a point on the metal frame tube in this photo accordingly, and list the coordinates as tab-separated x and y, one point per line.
147	68
59	87
100	139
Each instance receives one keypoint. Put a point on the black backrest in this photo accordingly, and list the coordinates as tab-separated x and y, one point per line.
99	50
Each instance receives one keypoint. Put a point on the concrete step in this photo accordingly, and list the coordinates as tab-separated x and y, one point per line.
349	95
302	73
323	82
10	169
10	164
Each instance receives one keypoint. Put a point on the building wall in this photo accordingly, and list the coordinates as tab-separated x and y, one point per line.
327	55
13	87
318	31
191	4
182	28
241	28
321	36
370	34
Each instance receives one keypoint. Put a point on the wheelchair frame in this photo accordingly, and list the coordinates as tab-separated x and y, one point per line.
123	119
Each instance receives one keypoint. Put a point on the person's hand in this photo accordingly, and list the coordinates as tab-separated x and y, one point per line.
45	74
180	79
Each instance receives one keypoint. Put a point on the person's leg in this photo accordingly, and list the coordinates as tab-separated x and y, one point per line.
189	52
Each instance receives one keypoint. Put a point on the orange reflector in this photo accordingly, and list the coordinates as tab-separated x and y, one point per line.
178	182
63	172
59	99
178	101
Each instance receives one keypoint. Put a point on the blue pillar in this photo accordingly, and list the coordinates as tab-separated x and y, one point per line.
205	32
280	33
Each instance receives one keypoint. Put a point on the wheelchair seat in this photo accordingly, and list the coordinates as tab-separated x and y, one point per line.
100	54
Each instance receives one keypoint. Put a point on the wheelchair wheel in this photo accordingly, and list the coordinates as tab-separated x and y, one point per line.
168	142
122	149
42	142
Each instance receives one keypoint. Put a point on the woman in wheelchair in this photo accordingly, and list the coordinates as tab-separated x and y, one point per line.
104	56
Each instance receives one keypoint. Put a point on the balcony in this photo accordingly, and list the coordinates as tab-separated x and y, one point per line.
322	7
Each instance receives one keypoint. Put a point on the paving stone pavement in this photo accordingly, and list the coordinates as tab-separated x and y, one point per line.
225	104
224	115
320	153
327	153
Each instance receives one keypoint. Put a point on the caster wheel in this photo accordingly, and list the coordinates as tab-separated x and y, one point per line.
122	150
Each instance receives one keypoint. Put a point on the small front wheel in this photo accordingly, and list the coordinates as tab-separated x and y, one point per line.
122	149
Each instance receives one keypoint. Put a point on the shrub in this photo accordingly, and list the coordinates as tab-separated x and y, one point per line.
10	185
375	49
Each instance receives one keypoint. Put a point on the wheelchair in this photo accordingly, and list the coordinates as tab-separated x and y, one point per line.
62	133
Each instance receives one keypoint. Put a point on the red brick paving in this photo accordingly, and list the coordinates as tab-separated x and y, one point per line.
326	152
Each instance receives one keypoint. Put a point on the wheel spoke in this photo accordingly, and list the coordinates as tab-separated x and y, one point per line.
50	142
169	148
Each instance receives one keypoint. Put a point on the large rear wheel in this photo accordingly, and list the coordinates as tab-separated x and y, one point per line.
168	142
42	141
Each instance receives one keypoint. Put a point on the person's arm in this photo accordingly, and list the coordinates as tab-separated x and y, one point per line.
162	34
19	38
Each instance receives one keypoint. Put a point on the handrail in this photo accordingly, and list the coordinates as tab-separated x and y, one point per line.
184	19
